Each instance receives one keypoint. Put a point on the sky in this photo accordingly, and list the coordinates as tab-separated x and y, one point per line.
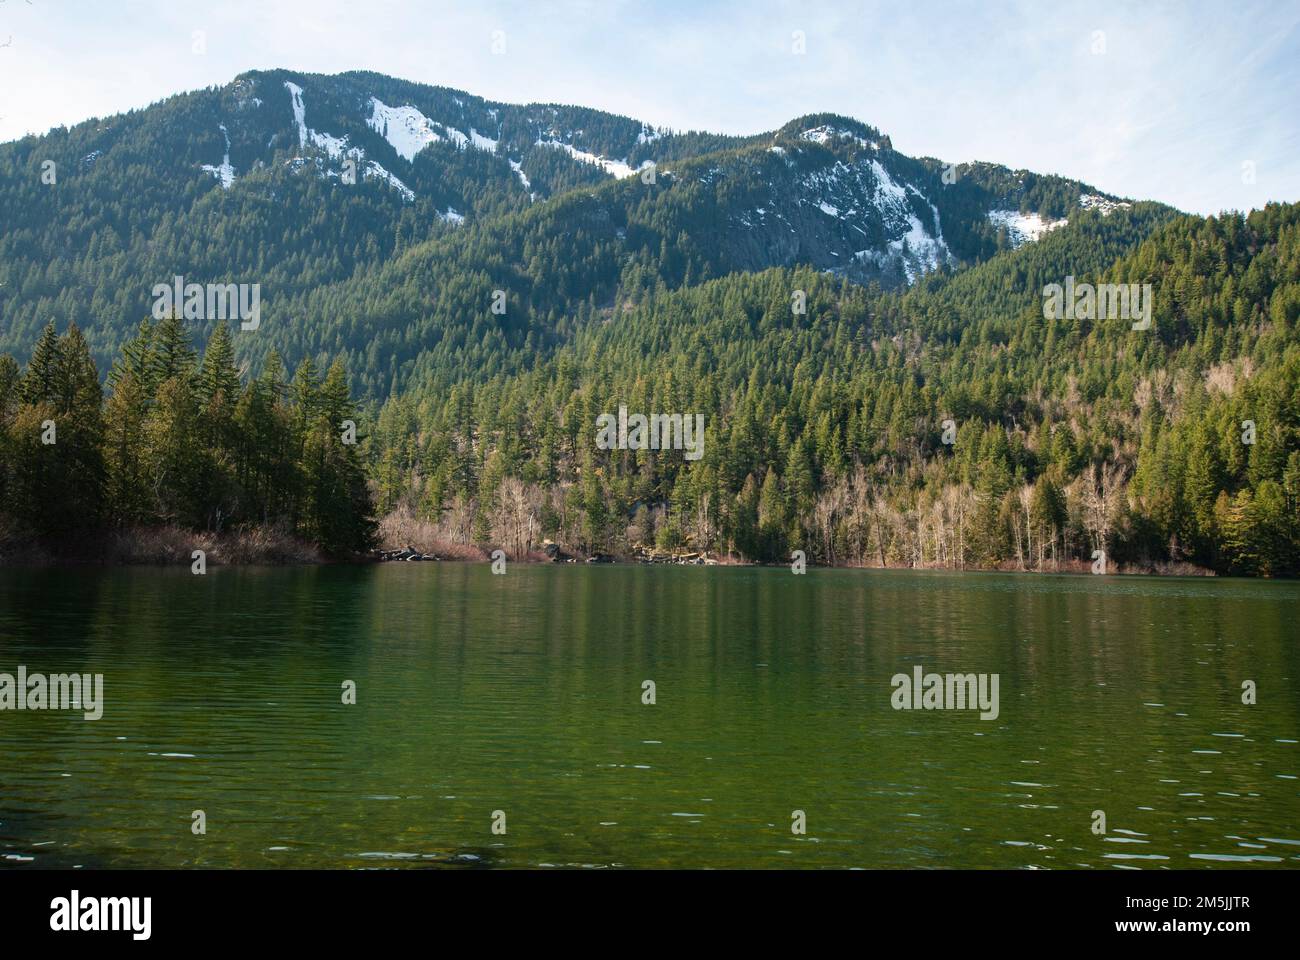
1194	104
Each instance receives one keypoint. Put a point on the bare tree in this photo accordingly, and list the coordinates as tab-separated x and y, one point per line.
514	522
1026	497
827	511
1100	494
703	529
459	519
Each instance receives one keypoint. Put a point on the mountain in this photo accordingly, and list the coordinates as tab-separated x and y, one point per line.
862	334
567	210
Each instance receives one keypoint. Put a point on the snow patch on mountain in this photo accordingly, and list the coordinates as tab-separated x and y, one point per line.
299	111
334	147
917	250
1092	201
367	168
616	168
406	129
409	131
481	142
224	173
885	225
518	168
375	170
826	133
1023	228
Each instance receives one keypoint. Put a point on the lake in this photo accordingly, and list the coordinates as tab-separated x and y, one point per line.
517	701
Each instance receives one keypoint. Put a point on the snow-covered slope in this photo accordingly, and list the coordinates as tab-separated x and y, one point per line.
1023	228
615	168
406	128
224	172
337	149
824	189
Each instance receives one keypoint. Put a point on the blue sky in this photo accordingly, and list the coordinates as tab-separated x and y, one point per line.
1182	102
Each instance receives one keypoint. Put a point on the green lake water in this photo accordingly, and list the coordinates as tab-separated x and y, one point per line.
522	693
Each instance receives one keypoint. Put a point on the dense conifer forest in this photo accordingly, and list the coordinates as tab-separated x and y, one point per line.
862	404
176	441
1172	448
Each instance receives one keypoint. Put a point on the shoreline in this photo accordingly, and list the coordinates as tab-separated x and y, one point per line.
169	547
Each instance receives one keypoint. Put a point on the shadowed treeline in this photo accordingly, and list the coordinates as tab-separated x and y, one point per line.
177	446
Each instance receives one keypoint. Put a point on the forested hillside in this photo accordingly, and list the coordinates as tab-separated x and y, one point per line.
825	430
380	218
863	332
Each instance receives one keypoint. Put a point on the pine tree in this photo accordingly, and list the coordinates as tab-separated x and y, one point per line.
178	462
772	518
218	378
137	359
127	481
77	475
169	349
42	368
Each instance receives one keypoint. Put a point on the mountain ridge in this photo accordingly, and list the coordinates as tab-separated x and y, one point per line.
431	163
861	329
